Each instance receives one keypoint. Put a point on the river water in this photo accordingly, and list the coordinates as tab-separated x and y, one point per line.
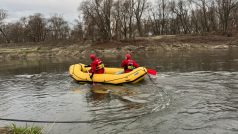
193	92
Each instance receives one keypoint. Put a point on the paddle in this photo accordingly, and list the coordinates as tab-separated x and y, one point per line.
154	82
90	76
151	71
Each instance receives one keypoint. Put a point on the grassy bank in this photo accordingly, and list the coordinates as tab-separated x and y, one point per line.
115	48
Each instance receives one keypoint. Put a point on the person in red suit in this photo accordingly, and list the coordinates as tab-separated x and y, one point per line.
128	64
97	67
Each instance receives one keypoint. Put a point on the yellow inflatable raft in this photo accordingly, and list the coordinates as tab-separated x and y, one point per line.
80	73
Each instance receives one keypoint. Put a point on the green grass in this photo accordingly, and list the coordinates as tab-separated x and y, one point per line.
25	130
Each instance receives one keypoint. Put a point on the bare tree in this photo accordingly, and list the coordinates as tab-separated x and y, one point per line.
182	16
3	15
155	19
140	6
212	17
104	20
163	6
234	19
77	33
36	27
15	32
203	6
98	13
225	8
116	23
89	19
58	28
127	14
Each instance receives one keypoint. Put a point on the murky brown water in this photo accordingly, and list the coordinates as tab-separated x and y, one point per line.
201	95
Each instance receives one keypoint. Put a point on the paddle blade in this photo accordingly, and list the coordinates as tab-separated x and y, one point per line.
151	71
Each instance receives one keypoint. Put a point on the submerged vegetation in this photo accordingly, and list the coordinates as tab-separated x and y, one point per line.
13	129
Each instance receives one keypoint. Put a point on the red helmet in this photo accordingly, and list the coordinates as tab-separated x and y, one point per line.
92	56
128	56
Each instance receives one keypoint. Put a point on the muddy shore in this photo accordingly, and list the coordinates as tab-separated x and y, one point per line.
115	48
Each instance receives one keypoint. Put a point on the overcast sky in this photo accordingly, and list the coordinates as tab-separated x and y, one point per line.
19	8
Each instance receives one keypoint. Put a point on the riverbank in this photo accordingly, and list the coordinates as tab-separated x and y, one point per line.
116	48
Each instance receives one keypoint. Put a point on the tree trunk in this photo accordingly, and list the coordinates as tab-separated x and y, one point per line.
5	36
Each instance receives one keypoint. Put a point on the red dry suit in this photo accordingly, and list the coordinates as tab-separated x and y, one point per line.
97	66
128	64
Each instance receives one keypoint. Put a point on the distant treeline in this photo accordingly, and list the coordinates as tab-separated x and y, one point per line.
126	19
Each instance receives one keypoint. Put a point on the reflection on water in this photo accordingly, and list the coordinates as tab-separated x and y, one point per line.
201	96
214	60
